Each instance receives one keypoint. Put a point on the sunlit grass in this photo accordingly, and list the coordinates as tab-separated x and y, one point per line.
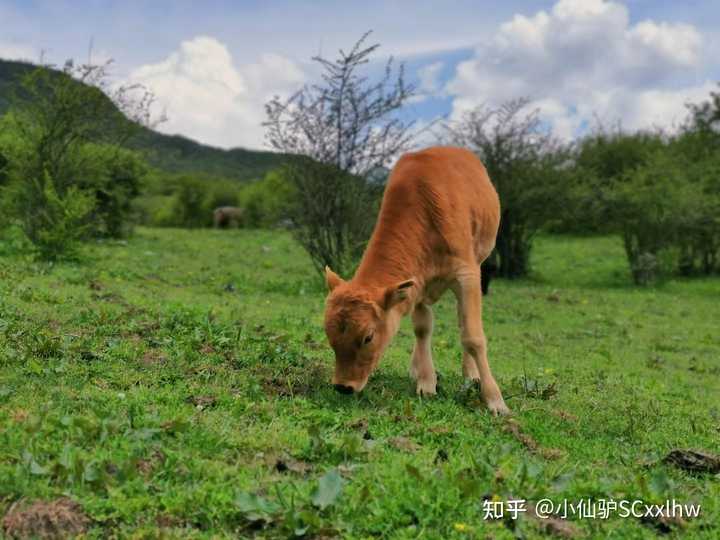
160	382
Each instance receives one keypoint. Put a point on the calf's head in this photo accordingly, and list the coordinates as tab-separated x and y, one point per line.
359	323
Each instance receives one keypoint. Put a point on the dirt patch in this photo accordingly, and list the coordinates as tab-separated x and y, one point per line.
564	415
147	466
153	357
359	424
513	427
62	518
664	524
286	464
202	402
19	415
552	525
95	285
404	444
207	349
694	461
166	521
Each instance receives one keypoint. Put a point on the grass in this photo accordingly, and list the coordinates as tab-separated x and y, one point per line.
178	385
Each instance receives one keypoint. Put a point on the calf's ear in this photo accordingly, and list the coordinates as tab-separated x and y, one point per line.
397	293
332	279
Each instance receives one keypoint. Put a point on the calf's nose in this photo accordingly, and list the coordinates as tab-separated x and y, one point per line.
343	389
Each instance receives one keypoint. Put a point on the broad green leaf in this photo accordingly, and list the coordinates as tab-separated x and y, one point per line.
327	490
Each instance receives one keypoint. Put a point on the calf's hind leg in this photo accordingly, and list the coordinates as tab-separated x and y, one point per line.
469	297
421	364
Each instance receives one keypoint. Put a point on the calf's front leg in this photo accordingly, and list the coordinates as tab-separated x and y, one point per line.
421	364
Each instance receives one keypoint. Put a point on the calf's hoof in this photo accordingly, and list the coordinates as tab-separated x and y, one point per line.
497	407
426	388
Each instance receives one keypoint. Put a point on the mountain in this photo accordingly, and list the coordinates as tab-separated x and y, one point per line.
171	153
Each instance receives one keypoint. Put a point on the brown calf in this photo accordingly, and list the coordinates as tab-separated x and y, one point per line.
438	222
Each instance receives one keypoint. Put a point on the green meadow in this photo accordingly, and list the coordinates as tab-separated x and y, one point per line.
177	385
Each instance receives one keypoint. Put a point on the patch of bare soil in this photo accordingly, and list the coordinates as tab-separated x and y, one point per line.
284	464
564	415
664	524
61	518
404	444
694	461
513	427
146	466
152	357
202	402
552	525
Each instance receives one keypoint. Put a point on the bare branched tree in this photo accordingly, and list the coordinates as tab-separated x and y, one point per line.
338	134
527	165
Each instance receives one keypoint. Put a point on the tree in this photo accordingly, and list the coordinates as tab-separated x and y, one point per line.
705	116
338	133
66	130
528	167
602	159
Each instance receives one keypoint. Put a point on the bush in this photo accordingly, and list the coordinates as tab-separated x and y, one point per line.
333	213
340	133
601	160
190	207
267	203
64	172
188	201
194	199
222	193
114	176
3	167
110	175
668	214
529	169
54	221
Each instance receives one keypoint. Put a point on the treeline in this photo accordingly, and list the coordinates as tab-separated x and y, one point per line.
67	175
659	191
181	200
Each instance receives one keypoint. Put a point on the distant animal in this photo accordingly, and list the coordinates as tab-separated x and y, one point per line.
438	222
227	216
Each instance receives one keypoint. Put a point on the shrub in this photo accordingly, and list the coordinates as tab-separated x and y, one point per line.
667	212
529	169
333	213
3	168
267	203
190	204
65	173
602	159
340	132
114	176
54	221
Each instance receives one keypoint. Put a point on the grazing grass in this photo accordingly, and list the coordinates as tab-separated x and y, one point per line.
178	385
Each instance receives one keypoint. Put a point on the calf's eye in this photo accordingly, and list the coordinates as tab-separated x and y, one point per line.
368	339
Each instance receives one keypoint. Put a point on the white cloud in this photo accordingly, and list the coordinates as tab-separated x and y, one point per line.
584	58
206	96
429	77
16	51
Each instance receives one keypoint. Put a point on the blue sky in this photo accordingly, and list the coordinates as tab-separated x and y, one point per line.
213	64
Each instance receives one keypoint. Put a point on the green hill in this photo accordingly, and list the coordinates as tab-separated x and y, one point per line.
171	153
